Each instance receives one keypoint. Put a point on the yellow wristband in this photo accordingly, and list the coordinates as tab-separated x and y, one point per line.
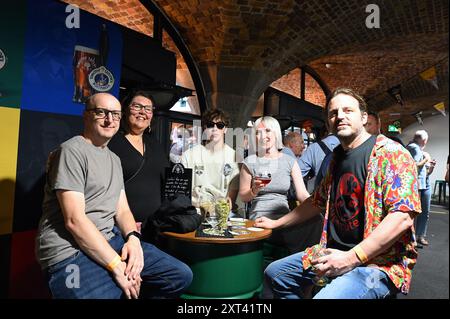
360	254
113	263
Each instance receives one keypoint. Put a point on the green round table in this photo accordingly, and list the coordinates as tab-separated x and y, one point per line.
222	267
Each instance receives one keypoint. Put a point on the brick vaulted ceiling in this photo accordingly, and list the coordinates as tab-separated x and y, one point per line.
261	40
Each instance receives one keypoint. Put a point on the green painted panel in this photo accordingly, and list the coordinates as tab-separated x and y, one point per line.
221	270
12	39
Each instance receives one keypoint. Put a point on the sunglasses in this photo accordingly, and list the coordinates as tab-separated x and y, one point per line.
219	125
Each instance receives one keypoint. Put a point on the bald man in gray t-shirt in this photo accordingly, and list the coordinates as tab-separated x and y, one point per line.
81	167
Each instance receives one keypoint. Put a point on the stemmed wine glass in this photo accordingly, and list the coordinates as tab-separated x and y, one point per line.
264	177
212	220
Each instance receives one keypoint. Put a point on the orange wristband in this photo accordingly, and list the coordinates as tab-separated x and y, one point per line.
113	263
360	254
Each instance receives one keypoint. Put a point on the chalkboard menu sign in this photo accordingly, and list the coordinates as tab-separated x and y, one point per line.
178	181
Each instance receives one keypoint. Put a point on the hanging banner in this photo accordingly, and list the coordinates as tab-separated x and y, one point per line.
440	107
430	76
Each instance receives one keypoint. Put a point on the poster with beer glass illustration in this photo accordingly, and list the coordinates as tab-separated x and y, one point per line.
84	61
90	74
66	65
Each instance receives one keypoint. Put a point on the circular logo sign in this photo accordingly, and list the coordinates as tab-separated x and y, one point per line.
101	79
2	59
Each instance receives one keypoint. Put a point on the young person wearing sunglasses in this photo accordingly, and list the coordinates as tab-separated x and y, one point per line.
214	164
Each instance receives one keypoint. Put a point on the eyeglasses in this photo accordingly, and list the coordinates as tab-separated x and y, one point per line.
139	107
219	125
102	113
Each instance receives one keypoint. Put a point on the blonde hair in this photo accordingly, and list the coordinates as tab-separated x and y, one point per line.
274	126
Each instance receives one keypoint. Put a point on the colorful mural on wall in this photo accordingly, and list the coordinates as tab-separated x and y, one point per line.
46	72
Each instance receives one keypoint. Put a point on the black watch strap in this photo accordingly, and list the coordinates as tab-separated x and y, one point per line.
132	233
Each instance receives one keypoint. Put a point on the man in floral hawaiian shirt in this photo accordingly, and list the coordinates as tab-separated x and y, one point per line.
370	199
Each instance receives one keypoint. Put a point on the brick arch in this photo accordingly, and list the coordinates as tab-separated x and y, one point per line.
290	83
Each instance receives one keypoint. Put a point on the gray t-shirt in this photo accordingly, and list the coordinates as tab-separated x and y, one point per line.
82	167
271	200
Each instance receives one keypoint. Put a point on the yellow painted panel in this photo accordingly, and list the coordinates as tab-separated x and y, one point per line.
9	140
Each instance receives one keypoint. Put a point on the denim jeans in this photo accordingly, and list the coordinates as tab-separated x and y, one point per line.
288	280
422	218
80	277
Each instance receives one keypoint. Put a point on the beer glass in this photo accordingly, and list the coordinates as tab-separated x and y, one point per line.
219	218
317	280
222	209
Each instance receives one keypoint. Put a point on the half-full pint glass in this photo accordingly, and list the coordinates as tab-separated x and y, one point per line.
84	61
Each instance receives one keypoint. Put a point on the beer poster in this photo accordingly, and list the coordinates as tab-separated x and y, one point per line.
66	64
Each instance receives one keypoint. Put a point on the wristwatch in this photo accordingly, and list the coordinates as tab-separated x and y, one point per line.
133	233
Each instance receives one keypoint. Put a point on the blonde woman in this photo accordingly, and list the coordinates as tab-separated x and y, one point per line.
269	200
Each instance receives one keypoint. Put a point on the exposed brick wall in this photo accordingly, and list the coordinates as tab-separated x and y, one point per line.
291	82
313	91
171	46
129	13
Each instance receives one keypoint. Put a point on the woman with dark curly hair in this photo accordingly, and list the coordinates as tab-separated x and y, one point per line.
143	158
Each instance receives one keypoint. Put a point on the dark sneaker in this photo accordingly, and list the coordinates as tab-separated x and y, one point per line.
416	245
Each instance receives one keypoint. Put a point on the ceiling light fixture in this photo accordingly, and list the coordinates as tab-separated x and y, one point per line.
418	117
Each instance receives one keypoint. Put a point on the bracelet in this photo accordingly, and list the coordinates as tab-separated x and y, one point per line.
113	263
360	254
133	233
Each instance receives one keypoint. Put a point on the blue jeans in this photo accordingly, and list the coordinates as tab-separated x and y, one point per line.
288	280
80	277
422	218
